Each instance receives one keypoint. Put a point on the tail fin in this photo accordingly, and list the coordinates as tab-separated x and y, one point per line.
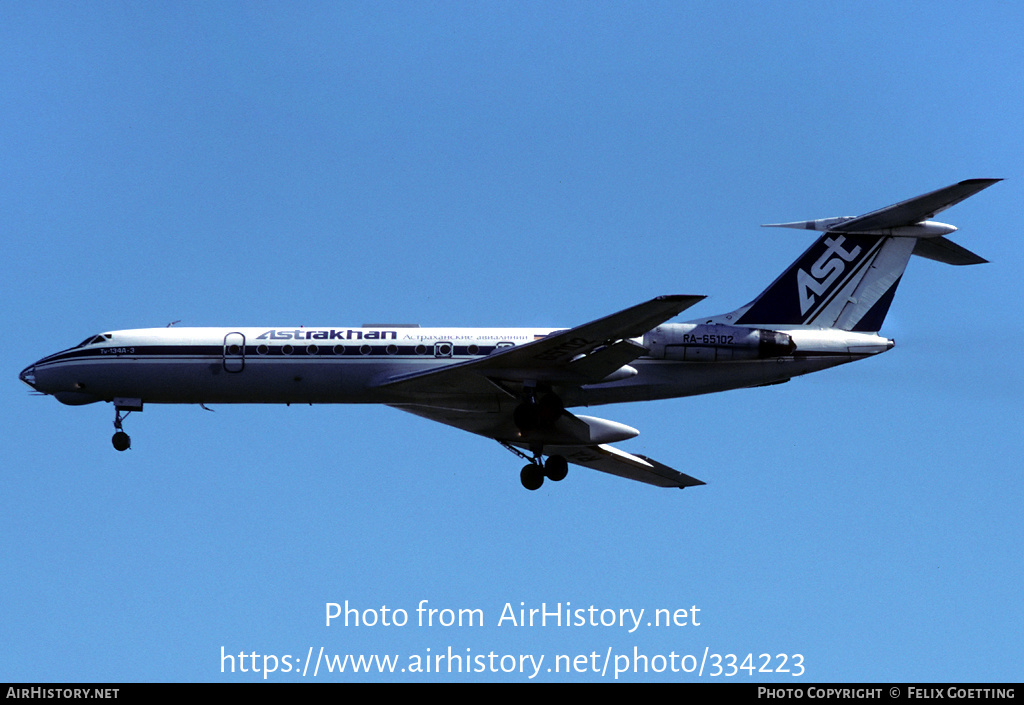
847	279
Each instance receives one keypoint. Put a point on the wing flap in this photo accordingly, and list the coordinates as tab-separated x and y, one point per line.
614	461
601	363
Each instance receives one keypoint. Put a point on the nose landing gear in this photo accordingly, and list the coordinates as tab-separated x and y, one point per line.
121	440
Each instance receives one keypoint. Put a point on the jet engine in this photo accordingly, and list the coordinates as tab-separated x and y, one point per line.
715	343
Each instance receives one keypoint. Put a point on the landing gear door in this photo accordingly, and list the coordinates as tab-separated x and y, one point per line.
234	352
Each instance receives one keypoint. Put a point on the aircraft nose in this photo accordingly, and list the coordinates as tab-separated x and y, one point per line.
28	376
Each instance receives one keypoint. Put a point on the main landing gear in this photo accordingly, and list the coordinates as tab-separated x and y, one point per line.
533	417
555	468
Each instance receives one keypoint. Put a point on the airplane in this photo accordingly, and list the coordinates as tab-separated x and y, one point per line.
517	385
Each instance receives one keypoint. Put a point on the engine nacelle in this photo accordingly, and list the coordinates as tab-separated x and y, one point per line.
715	343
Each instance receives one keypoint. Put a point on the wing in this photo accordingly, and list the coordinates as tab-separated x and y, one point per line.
582	355
477	396
615	461
596	456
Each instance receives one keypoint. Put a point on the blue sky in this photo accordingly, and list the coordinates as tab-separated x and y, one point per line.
506	164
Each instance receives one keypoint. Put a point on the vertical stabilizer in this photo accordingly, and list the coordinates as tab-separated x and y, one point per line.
847	279
841	281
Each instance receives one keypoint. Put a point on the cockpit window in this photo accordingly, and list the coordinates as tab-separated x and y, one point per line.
93	339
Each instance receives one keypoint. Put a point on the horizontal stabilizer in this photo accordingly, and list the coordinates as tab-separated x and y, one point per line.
916	209
942	250
905	219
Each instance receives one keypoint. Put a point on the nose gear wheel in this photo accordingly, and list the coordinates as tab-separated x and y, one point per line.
121	440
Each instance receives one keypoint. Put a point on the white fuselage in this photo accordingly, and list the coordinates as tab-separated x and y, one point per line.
348	365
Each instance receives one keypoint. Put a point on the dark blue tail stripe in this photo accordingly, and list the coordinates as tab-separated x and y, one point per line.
780	302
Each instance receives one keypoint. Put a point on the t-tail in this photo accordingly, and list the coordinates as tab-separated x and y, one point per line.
847	279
